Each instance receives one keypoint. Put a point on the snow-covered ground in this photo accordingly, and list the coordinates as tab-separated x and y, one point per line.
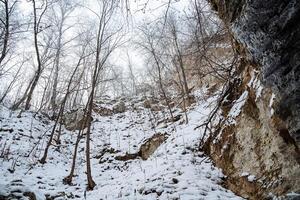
175	171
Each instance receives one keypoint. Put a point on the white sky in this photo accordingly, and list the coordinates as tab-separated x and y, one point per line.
140	10
139	15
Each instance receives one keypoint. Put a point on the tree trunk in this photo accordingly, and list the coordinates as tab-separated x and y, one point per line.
161	84
91	183
18	103
183	94
39	64
56	66
60	114
10	85
68	179
6	35
181	65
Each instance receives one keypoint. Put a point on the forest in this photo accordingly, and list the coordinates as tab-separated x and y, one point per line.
149	99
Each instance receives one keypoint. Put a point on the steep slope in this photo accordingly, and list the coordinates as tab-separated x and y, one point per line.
176	170
262	139
270	33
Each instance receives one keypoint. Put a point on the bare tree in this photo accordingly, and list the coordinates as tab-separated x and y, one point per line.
105	49
65	8
173	28
131	74
13	81
206	33
37	28
62	107
7	9
176	57
148	42
107	41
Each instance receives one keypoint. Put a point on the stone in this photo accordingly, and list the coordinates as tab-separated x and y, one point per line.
175	180
127	156
156	108
147	103
103	111
120	107
30	195
75	120
147	148
151	144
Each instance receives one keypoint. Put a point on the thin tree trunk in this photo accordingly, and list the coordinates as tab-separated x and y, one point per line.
44	94
91	183
39	64
56	67
181	65
161	85
6	35
43	159
18	103
68	179
60	114
183	94
10	85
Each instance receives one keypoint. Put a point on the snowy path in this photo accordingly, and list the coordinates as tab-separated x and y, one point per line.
174	171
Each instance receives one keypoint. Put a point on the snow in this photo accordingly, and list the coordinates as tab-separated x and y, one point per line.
272	99
237	107
245	174
176	170
255	83
251	178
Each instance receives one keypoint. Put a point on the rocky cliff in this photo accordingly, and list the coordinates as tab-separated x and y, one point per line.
258	147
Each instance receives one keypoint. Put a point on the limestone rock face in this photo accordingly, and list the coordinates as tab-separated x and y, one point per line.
270	31
251	149
258	148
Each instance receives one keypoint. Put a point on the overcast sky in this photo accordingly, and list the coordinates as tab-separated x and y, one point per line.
140	11
148	10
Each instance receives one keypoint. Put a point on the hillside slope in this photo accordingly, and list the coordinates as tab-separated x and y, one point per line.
176	170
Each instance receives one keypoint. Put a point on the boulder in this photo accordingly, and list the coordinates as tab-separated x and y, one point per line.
119	107
156	108
75	120
151	144
103	111
147	103
147	148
